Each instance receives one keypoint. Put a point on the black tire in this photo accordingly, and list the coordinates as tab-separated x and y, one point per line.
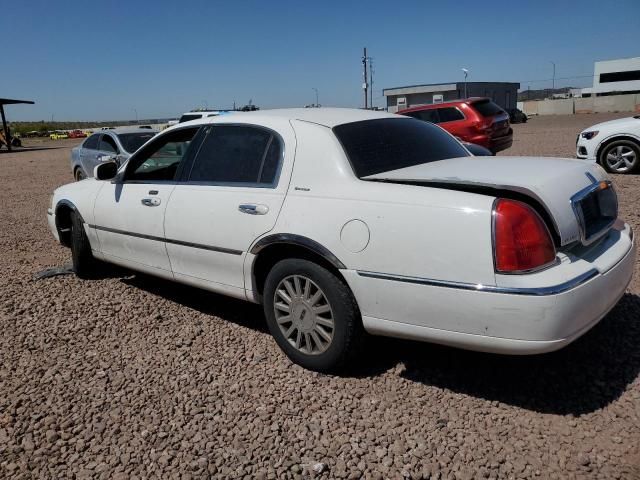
347	329
82	259
624	147
79	174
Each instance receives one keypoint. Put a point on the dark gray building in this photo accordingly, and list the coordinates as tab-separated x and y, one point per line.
504	94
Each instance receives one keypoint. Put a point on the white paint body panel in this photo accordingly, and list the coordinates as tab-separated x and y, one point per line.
119	207
394	229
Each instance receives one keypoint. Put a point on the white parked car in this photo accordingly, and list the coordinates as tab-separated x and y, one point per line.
615	144
340	220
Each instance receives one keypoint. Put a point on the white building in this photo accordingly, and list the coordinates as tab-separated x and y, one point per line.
615	77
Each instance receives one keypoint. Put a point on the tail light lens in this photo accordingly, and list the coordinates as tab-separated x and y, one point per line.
484	126
521	241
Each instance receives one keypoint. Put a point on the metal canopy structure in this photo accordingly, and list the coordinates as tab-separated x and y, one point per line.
5	128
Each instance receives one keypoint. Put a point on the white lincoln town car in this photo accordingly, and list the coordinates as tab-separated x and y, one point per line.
342	221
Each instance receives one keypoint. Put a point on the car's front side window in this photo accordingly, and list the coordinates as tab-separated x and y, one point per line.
236	155
159	160
107	144
430	115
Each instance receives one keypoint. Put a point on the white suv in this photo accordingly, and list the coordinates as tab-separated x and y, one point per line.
615	144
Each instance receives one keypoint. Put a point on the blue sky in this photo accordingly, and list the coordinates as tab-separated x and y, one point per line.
101	60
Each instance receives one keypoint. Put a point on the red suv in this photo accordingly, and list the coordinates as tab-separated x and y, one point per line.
474	120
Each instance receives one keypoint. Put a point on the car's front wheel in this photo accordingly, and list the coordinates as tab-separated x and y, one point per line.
621	156
79	174
311	313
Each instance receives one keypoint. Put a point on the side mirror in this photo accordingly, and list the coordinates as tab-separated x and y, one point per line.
106	170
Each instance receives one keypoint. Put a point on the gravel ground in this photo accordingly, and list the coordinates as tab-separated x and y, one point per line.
132	377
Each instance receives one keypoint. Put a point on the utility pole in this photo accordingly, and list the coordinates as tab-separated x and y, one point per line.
316	90
365	85
371	82
553	84
466	73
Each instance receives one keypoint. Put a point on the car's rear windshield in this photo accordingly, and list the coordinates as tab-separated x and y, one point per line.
133	141
187	117
487	108
385	144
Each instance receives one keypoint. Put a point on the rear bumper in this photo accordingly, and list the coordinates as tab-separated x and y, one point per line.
495	144
498	144
514	320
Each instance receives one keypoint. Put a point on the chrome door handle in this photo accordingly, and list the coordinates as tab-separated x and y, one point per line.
150	202
252	209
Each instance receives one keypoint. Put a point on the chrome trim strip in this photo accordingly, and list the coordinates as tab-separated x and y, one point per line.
167	240
536	291
577	209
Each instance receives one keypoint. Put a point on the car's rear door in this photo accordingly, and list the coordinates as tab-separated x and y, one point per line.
453	121
129	213
229	196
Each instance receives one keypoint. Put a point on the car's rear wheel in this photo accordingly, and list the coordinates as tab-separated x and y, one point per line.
311	313
621	156
83	262
79	174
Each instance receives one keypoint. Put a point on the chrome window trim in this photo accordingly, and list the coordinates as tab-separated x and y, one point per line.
534	291
581	195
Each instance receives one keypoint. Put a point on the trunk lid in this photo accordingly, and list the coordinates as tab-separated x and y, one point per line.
552	182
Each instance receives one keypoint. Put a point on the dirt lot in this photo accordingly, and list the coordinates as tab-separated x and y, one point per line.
132	377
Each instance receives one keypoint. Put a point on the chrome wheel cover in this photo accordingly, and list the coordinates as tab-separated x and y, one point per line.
304	315
621	158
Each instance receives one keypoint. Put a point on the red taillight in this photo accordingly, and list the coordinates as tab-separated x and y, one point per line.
484	126
521	240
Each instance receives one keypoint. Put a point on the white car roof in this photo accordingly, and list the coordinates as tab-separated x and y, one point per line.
328	117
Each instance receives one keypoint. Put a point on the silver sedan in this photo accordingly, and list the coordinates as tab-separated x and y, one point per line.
111	144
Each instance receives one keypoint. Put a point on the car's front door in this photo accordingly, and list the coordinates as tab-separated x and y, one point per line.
88	154
129	212
107	147
230	196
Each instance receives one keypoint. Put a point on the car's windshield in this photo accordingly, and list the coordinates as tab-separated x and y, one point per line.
186	117
382	145
133	141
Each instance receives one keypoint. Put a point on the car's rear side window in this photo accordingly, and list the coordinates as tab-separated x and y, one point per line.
486	108
450	114
91	142
381	145
237	154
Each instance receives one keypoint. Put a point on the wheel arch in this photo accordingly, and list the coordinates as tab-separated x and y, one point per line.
63	211
273	248
614	138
